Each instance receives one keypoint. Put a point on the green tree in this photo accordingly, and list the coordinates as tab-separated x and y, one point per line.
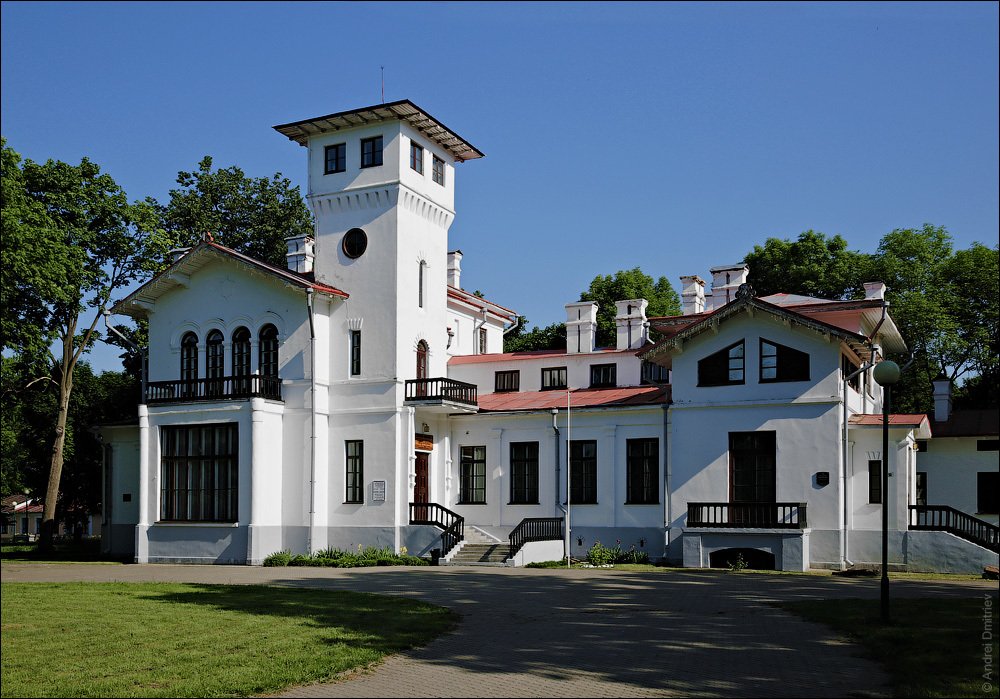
630	284
813	265
252	215
523	340
96	243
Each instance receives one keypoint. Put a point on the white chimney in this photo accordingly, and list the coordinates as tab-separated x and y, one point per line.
942	398
300	253
581	326
875	291
630	323
692	294
455	268
725	281
177	253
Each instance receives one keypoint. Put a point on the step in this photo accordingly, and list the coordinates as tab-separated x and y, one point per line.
481	553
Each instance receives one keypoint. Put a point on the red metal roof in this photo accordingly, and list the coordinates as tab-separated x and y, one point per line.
968	423
629	396
894	419
478	301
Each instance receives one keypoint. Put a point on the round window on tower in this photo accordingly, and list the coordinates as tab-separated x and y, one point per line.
355	243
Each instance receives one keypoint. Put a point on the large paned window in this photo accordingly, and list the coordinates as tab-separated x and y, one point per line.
506	381
371	151
189	358
199	470
472	476
355	467
988	493
336	158
417	158
583	472
553	377
603	375
269	351
724	368
875	482
780	363
524	473
752	462
241	361
215	363
355	353
438	172
642	471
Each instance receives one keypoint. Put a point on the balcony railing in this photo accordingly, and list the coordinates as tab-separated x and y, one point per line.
441	389
747	515
948	519
225	388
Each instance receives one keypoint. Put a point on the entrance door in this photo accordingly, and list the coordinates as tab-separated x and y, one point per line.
752	481
421	492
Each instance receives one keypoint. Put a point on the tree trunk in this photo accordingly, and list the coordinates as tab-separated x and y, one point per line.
49	523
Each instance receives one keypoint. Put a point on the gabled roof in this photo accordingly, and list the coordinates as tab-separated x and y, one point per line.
968	423
841	319
479	303
403	110
624	397
137	303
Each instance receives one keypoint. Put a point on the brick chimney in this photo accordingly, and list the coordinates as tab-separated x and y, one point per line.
692	294
300	253
630	323
581	327
455	268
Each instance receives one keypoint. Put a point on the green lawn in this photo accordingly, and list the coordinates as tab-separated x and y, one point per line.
931	647
182	640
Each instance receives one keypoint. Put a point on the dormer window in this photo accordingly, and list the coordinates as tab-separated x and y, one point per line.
603	375
371	151
780	363
507	381
724	368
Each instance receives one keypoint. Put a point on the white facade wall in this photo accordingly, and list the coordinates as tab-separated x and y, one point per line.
952	465
577	369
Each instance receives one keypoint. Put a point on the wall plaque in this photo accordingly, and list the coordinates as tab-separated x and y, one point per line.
378	491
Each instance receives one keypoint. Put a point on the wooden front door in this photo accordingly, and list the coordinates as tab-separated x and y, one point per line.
421	492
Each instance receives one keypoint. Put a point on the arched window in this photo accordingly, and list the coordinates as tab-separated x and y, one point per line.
422	360
269	351
189	365
214	362
241	361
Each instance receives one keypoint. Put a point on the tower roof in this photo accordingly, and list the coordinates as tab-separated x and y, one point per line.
403	110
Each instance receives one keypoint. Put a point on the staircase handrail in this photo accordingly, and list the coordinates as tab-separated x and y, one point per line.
961	524
535	529
451	523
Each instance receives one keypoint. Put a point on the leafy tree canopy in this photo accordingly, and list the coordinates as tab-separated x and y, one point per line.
520	339
252	215
630	284
813	265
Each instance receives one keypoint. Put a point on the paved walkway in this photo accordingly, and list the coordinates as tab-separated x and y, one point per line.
600	633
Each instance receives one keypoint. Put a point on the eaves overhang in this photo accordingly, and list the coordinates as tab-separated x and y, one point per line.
711	321
403	110
478	304
142	301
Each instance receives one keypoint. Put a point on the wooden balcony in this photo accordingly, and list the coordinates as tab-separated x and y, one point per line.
747	515
221	389
442	395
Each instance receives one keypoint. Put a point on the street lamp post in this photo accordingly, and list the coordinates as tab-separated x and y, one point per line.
885	374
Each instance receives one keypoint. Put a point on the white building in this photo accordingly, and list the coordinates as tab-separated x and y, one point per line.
361	396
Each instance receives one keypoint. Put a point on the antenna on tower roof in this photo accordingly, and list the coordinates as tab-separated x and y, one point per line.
383	84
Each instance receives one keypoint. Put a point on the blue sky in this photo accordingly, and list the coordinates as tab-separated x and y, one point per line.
673	137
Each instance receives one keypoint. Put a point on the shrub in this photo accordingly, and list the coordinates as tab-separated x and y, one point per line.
336	558
279	559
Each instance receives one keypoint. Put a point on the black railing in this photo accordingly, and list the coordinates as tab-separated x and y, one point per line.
225	388
441	389
535	529
747	515
948	519
453	525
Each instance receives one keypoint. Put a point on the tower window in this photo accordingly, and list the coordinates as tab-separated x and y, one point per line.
355	243
336	158
416	158
438	170
420	284
355	353
371	151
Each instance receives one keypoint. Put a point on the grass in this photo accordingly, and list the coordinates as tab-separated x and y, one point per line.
931	647
86	551
183	640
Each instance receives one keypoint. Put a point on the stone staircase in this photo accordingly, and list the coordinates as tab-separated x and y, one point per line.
478	549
